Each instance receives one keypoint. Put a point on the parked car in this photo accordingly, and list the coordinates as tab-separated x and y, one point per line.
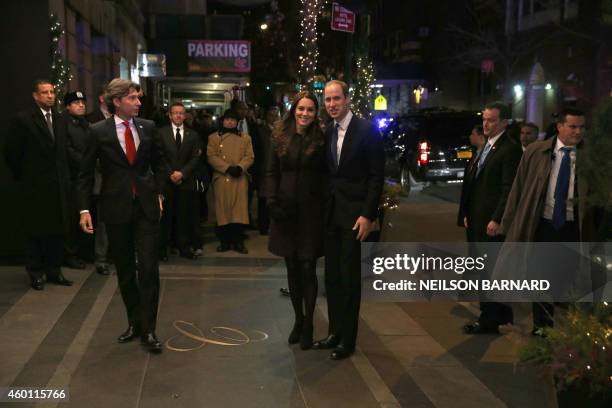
429	145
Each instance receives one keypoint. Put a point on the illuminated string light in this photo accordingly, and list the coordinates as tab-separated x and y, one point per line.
361	103
60	70
311	9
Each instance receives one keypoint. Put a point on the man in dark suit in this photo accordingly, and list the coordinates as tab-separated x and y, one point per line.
181	148
102	112
133	176
485	191
100	238
35	152
478	141
355	161
77	133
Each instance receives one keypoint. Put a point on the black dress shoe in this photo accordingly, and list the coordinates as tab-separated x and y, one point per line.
130	334
296	332
340	353
188	254
60	280
150	343
103	269
477	328
223	248
329	342
37	284
285	292
306	337
240	248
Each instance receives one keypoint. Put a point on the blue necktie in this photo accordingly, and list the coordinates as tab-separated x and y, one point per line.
562	189
334	144
483	156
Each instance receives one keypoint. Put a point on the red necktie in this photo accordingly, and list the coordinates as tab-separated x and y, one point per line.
130	150
130	146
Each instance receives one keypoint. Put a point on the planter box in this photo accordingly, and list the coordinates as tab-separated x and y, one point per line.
578	396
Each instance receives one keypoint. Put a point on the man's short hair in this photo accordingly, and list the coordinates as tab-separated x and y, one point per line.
176	104
569	112
118	88
531	125
504	109
343	86
40	81
478	129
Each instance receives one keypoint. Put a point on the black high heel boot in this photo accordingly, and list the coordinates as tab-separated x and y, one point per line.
295	294
296	333
306	337
308	275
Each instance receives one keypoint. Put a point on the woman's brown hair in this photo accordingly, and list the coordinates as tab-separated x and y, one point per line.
286	128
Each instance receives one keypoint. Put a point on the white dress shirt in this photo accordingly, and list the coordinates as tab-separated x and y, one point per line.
181	129
121	132
549	204
344	124
44	112
494	139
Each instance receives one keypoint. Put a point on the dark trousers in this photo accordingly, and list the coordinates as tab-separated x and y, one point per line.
251	194
77	244
100	237
230	234
176	220
343	283
263	219
544	312
194	230
71	240
203	206
43	256
492	314
139	289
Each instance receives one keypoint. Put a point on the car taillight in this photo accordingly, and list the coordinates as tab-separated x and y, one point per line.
423	153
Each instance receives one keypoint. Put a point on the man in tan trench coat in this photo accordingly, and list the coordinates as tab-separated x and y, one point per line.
230	153
531	213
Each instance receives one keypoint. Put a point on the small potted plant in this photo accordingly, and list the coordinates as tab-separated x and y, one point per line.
389	200
577	354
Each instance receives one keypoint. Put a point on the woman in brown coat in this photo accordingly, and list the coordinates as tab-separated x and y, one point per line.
295	189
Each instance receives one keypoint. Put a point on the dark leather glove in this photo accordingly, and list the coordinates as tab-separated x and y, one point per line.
234	171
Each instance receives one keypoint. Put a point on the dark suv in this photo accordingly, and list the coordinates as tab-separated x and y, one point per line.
429	145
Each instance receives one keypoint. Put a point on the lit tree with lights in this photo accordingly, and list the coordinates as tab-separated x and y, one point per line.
60	69
311	9
361	102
